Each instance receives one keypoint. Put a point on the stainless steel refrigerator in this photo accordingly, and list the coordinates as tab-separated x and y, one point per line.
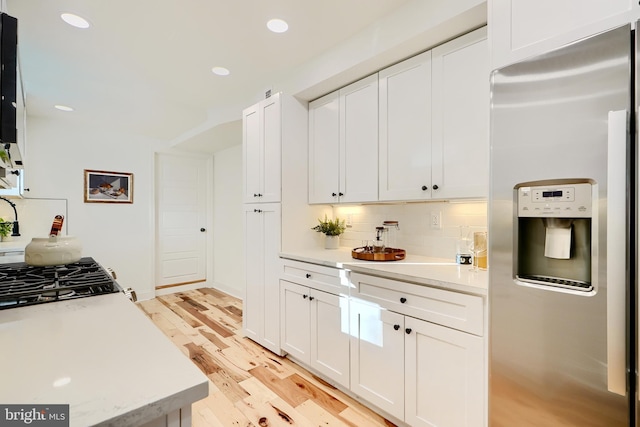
562	237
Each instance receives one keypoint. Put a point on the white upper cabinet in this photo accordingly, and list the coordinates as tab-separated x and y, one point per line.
324	148
434	123
261	151
523	28
359	141
405	129
460	115
343	144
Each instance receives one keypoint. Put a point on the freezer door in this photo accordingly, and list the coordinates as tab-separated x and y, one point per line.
550	351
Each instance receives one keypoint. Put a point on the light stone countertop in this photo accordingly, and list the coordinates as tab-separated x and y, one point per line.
101	355
434	272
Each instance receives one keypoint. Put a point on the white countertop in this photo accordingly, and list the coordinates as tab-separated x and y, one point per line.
421	270
119	369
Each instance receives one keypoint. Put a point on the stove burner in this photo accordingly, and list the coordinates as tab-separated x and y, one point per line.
22	284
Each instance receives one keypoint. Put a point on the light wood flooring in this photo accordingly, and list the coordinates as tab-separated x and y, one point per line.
249	385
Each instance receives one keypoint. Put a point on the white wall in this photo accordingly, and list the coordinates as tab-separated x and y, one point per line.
228	247
119	236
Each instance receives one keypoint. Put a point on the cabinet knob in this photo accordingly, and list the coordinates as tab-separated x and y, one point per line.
333	194
259	195
403	300
202	230
257	210
435	186
425	188
340	194
255	195
308	276
311	298
305	296
408	331
396	327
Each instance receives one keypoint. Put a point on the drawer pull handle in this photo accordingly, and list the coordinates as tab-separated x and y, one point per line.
396	327
308	276
305	296
403	300
408	330
311	298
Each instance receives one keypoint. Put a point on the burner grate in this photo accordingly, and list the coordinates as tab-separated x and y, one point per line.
22	284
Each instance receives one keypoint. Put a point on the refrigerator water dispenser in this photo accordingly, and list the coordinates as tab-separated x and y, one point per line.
554	233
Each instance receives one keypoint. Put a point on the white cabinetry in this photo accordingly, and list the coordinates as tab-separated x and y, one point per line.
314	322
353	113
430	343
434	117
520	29
405	129
261	314
460	109
261	150
377	343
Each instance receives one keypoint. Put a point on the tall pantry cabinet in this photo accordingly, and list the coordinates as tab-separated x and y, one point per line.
274	129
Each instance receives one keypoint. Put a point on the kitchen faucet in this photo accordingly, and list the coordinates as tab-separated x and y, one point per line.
16	226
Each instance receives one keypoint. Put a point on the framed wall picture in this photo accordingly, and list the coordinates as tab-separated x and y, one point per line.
107	187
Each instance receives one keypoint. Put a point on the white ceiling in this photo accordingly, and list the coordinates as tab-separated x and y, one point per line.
145	65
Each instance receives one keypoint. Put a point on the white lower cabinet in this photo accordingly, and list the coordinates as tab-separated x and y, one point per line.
415	352
261	319
444	376
315	329
423	373
377	357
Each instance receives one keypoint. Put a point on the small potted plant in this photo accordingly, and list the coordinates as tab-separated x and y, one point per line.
332	229
6	227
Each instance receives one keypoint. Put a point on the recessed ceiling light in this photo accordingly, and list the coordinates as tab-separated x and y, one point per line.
75	20
63	107
221	71
277	25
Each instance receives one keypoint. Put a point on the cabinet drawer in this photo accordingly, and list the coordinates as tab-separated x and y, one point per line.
455	310
327	279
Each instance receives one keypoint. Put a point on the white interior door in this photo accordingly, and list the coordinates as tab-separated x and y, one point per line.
181	219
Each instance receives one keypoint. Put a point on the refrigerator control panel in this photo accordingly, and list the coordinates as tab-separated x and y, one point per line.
564	201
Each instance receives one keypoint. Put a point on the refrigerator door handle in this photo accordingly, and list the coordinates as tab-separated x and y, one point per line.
616	252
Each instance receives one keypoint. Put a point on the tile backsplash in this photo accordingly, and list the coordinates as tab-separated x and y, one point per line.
416	234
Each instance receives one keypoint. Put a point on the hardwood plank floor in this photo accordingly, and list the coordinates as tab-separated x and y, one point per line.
249	385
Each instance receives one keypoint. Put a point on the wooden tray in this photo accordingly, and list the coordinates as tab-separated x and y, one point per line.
389	254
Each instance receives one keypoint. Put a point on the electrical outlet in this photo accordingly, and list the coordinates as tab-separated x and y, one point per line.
349	223
436	220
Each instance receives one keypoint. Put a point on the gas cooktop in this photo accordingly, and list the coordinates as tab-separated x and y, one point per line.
22	284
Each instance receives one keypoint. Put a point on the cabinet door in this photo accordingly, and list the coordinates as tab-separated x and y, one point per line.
261	315
359	141
461	117
377	356
270	163
521	29
272	268
324	143
251	147
444	376
253	304
295	320
330	336
405	130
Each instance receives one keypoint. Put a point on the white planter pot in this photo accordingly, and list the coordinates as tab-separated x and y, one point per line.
331	242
